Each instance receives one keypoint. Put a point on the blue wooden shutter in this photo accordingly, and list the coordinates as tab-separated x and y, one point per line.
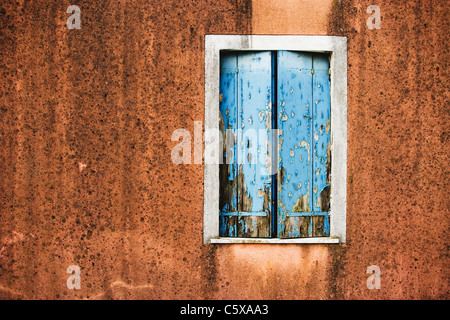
304	118
322	145
246	102
228	125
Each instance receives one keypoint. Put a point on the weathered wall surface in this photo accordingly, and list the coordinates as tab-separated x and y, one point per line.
397	159
86	176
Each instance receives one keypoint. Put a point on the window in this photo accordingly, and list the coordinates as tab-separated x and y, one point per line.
276	186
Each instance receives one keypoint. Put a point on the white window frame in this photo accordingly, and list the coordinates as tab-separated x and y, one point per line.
337	48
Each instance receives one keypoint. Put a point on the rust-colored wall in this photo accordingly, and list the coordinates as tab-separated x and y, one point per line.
290	17
86	176
397	203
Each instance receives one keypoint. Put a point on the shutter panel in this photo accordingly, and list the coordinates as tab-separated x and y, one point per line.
295	111
227	125
245	186
254	121
304	116
322	145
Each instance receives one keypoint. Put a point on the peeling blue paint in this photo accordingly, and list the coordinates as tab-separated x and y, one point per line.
248	85
252	85
294	178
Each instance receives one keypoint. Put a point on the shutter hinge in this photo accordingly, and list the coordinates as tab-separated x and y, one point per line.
312	71
237	70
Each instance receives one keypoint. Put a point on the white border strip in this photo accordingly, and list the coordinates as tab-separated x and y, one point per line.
274	240
337	46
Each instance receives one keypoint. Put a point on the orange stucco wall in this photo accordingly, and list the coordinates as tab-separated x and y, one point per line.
290	17
86	176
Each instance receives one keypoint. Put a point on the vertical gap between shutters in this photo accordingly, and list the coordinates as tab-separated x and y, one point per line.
274	146
237	146
313	110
